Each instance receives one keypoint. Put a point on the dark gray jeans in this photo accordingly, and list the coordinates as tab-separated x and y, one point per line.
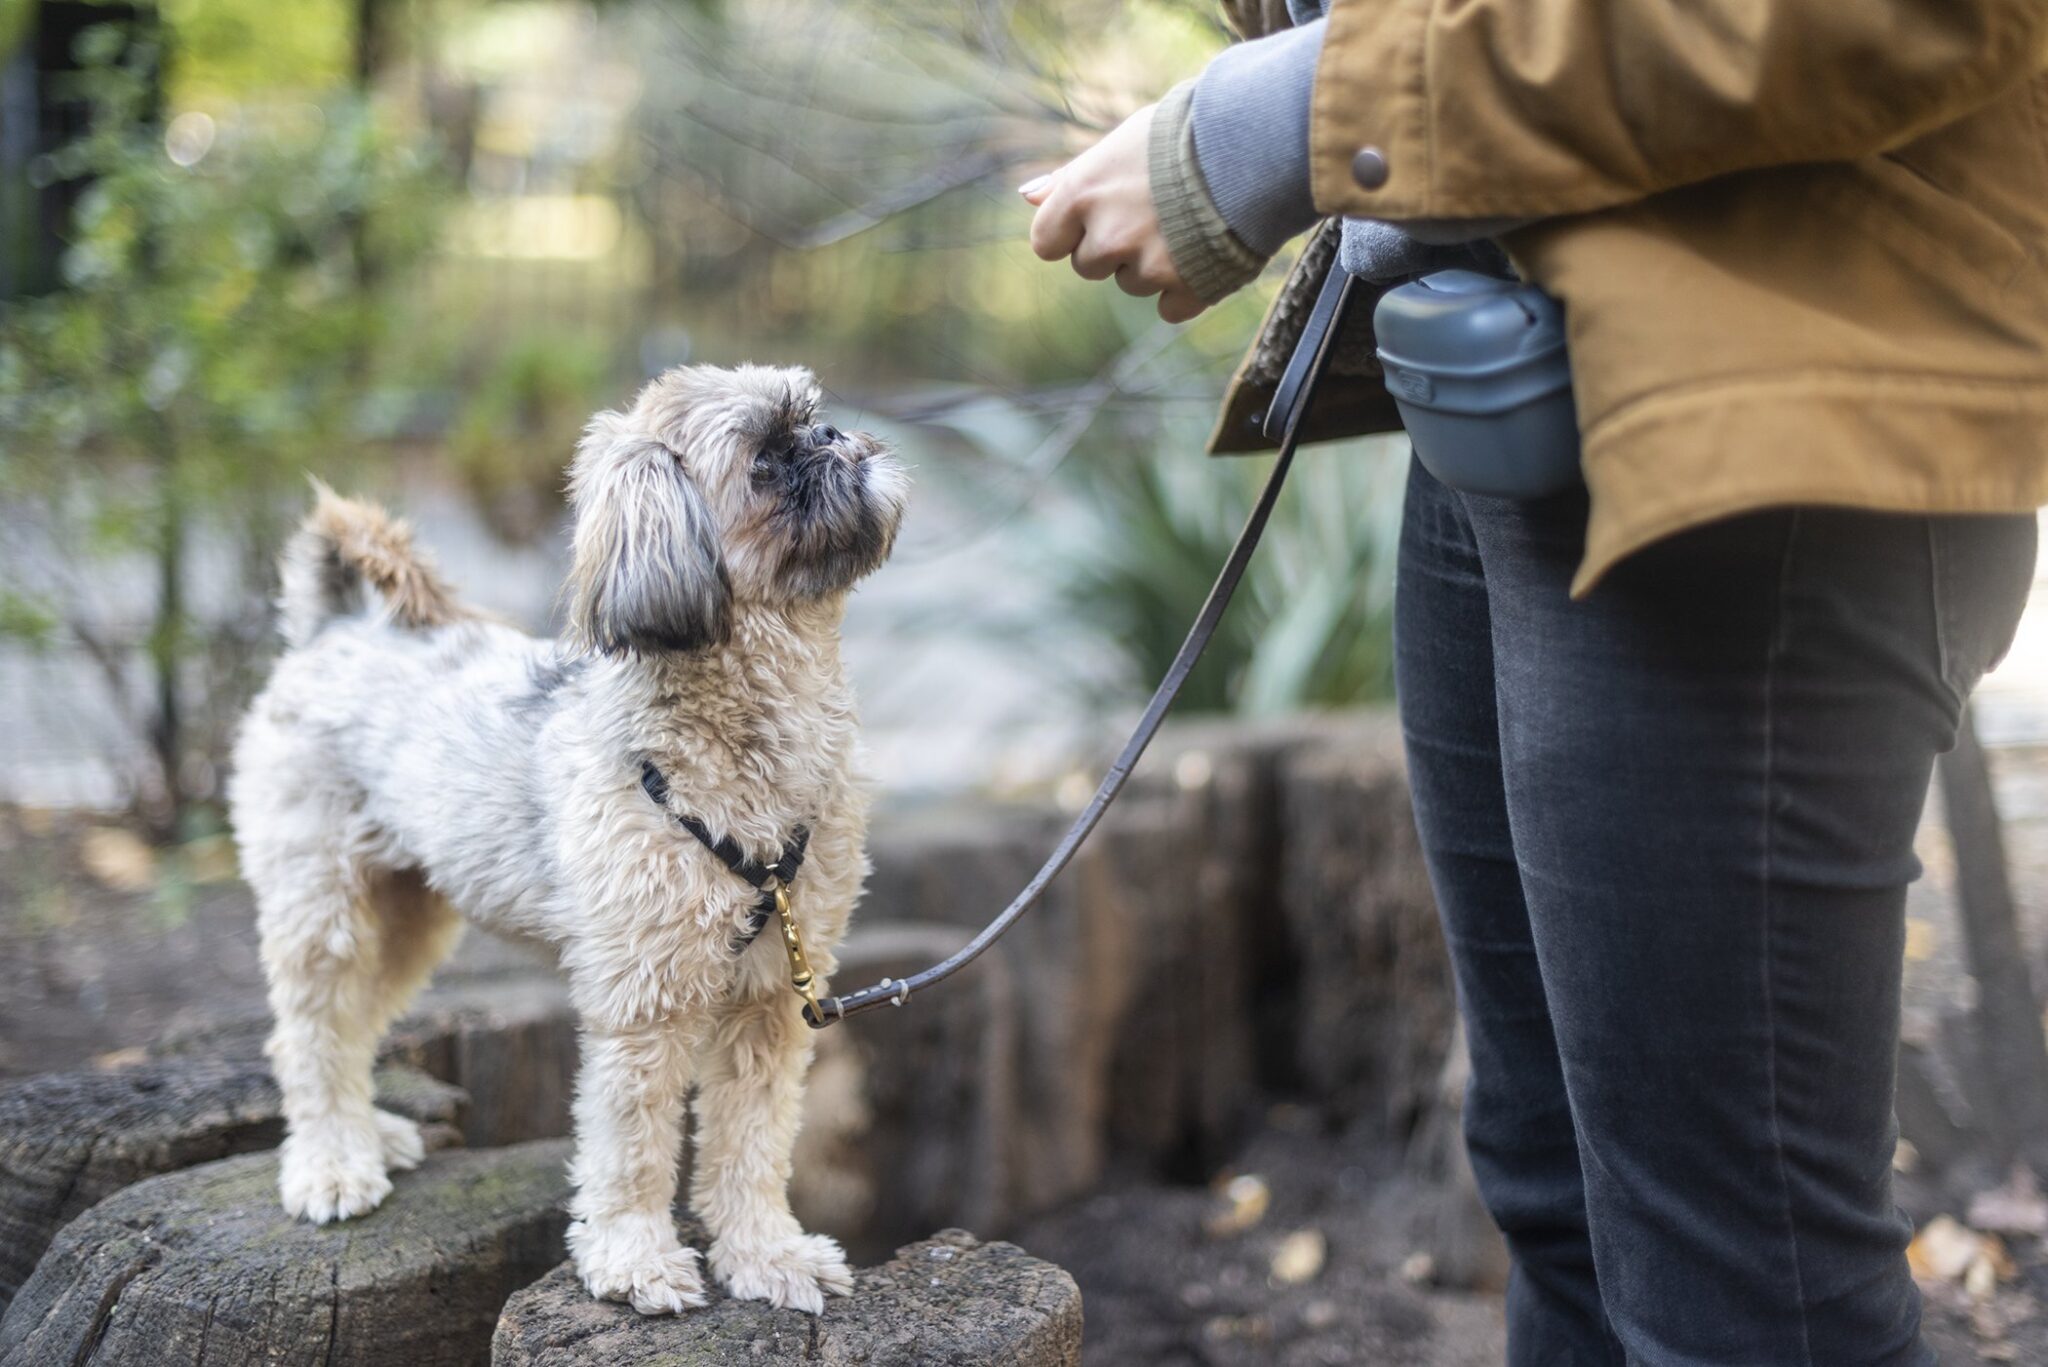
1670	829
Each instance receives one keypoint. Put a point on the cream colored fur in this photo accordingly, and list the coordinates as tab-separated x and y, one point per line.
404	747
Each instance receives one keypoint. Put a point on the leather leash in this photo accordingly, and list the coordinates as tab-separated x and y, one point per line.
1311	356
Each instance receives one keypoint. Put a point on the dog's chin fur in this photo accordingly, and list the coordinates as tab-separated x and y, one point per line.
412	762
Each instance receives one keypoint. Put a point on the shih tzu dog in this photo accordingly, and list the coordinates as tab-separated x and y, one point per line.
634	794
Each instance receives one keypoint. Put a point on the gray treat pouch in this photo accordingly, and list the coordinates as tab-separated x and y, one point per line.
1477	367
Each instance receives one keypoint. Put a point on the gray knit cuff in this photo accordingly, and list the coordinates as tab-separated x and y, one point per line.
1250	116
1211	261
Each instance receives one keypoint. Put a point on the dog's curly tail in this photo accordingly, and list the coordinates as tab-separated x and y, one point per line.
345	547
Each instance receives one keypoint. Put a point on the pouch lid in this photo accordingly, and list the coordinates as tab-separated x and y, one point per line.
1462	322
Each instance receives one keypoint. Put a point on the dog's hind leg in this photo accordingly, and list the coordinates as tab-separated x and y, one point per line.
323	954
416	929
749	1104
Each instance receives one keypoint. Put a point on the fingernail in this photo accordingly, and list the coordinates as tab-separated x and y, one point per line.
1035	184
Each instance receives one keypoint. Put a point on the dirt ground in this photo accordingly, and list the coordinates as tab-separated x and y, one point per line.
106	948
1163	1286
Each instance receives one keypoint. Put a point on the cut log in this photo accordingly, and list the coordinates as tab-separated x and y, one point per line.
1375	1005
68	1140
1465	1248
508	1042
909	1115
204	1266
949	1299
1124	996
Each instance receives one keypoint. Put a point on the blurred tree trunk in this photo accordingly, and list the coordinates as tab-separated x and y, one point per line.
2012	1051
167	645
372	38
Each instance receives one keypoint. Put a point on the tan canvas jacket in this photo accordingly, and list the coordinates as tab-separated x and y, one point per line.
1802	244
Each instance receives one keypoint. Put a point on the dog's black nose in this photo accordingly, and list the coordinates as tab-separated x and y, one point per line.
824	435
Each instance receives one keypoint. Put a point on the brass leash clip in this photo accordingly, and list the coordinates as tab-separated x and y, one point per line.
800	976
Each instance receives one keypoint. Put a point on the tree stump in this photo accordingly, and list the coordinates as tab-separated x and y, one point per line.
204	1266
949	1299
908	1115
511	1045
68	1140
508	1042
1375	1004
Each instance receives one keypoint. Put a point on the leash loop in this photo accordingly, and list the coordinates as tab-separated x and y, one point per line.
800	976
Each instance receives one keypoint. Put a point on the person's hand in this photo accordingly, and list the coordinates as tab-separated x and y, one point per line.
1098	210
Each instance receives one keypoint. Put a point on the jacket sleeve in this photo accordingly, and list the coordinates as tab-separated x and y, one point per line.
1540	107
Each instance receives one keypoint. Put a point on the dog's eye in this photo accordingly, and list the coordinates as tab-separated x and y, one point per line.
764	467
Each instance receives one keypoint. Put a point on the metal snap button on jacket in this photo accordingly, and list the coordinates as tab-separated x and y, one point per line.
1369	168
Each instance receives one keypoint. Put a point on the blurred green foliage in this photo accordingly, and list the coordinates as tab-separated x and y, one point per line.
15	16
867	153
224	51
221	309
510	441
1311	625
273	271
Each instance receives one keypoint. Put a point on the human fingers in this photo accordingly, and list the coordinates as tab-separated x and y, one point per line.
1057	227
1098	256
1178	305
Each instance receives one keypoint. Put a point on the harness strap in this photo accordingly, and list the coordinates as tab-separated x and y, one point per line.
765	878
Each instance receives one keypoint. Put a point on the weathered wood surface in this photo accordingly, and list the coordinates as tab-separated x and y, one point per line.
204	1266
68	1140
1118	1015
1374	1006
947	1300
511	1045
908	1114
508	1042
1252	918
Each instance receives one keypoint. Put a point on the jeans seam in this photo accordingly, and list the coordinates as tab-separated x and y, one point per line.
1773	651
1937	586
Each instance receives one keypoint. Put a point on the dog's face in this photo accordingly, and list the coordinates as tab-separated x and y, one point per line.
721	488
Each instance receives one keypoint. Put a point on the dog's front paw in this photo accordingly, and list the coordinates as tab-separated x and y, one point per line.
794	1273
332	1176
637	1260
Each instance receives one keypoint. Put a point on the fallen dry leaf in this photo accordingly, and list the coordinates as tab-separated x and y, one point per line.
1921	938
1246	1199
1300	1257
211	859
120	859
1980	1279
1943	1250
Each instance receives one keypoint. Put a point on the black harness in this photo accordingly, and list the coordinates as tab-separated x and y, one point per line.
764	878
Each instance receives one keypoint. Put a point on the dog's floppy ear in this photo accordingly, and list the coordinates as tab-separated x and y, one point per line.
648	572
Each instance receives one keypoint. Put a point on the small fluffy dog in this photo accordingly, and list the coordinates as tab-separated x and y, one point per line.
410	758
